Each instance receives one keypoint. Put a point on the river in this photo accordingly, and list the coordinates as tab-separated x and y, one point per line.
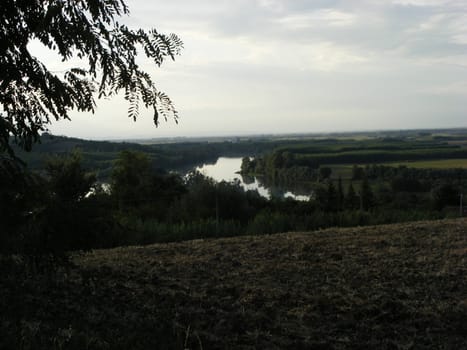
226	169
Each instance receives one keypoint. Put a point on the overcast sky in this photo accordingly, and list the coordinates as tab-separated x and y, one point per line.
275	66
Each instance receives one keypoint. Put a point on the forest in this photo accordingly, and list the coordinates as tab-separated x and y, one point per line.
105	194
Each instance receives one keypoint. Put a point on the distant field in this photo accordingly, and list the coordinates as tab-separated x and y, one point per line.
458	142
434	164
345	170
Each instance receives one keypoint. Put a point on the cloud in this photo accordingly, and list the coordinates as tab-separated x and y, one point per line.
318	18
455	88
252	65
430	3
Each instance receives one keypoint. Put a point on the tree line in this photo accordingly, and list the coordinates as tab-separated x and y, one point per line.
63	208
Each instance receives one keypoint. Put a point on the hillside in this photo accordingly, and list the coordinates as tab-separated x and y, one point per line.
400	286
100	156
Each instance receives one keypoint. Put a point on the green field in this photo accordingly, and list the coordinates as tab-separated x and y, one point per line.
434	164
345	171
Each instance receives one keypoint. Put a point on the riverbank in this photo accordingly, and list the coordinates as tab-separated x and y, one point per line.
400	286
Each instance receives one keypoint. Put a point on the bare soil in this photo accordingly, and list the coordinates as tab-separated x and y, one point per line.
400	286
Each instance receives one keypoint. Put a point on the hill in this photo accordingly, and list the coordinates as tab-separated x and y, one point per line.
183	155
401	286
100	155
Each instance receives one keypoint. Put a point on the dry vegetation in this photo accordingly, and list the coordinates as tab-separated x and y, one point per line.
385	287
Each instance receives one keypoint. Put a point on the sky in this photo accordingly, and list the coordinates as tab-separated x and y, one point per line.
296	66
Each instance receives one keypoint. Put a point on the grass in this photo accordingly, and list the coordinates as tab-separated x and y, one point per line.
397	286
434	164
345	170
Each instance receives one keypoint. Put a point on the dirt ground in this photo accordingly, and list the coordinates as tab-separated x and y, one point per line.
400	286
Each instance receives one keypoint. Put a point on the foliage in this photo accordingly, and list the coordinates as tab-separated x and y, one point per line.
351	200
320	154
131	178
366	194
146	204
445	194
68	181
324	173
21	197
47	216
31	94
340	194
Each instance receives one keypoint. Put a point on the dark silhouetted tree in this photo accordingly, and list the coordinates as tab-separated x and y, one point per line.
325	173
69	181
69	220
351	200
332	198
445	194
31	95
21	197
357	173
366	193
131	178
340	194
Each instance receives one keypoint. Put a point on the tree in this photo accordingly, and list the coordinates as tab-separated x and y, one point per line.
366	194
357	173
31	95
324	173
51	214
351	200
70	219
340	194
68	180
332	203
131	178
21	196
445	194
246	166
274	162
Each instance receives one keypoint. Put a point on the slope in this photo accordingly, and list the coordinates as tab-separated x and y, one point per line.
401	286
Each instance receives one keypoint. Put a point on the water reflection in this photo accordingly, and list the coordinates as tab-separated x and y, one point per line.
226	169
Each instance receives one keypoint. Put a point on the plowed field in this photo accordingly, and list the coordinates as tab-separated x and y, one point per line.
384	287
